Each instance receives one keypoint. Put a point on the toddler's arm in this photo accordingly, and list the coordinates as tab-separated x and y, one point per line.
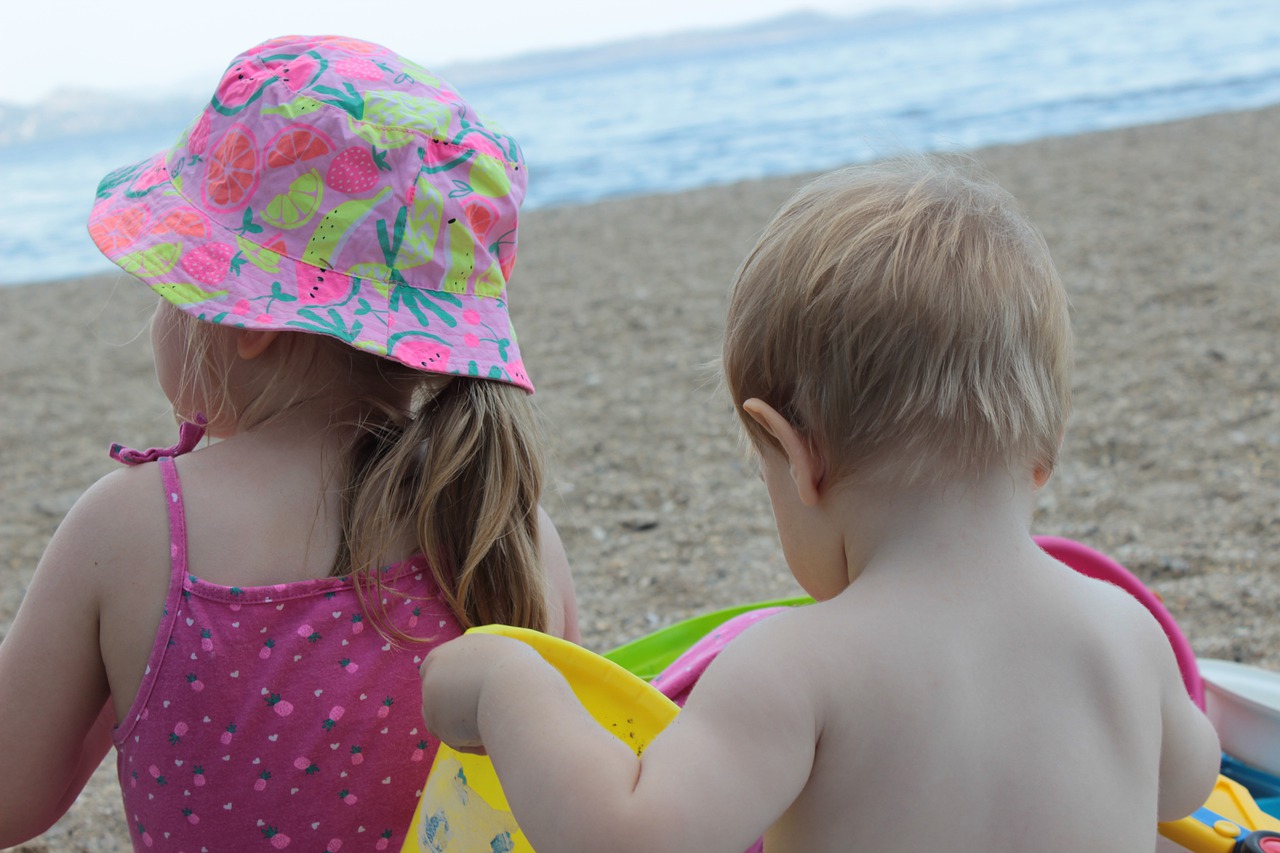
722	773
1190	755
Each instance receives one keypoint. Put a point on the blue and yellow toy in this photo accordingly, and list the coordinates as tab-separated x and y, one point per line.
1230	821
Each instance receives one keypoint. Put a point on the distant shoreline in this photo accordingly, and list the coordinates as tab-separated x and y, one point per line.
621	197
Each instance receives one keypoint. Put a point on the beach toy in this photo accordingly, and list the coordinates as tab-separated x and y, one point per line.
1244	704
649	655
1264	786
1261	783
462	808
1229	822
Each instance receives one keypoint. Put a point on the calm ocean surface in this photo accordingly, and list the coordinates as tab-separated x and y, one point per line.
677	120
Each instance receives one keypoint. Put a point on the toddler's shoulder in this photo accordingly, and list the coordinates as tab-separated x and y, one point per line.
798	650
1117	618
1113	603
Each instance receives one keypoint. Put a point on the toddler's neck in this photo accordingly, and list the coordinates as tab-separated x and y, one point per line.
983	521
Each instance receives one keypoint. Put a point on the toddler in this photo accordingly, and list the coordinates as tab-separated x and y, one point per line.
898	349
330	241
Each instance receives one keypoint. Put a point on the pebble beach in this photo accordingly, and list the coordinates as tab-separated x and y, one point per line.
1168	240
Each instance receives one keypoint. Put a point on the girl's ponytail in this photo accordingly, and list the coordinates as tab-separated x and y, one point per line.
464	474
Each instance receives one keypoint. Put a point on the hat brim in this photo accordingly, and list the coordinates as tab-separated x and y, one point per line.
145	224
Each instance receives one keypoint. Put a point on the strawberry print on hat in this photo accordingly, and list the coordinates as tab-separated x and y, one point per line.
331	186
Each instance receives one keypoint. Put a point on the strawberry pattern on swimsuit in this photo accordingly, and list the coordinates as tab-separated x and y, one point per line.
277	717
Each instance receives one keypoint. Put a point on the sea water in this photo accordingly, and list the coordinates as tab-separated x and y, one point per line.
708	111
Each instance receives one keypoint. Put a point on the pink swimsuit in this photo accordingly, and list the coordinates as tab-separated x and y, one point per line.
278	717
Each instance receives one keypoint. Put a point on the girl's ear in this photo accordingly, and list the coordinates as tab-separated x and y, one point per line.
805	463
251	343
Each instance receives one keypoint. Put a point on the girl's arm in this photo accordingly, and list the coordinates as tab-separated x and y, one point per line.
564	601
55	718
733	761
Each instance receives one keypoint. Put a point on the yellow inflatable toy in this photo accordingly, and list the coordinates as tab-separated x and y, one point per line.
463	809
1230	821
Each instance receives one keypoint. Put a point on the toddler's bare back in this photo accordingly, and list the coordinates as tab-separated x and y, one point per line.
979	711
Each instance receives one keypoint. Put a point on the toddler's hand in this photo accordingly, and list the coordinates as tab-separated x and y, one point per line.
454	678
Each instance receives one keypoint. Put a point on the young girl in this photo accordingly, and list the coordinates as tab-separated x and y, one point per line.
331	241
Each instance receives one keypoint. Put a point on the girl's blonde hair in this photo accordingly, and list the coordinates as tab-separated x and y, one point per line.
908	319
456	461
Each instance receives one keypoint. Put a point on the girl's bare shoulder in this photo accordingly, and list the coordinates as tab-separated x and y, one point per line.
117	523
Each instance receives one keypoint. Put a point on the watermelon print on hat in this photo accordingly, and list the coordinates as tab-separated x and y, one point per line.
332	187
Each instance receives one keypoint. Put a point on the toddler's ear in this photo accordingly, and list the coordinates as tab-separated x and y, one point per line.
1043	471
251	343
805	462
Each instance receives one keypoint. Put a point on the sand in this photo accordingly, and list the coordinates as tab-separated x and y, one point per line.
1167	238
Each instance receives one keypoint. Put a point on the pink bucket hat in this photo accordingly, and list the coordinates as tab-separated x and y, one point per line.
332	187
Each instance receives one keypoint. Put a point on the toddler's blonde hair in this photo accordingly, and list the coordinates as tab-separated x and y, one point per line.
907	318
